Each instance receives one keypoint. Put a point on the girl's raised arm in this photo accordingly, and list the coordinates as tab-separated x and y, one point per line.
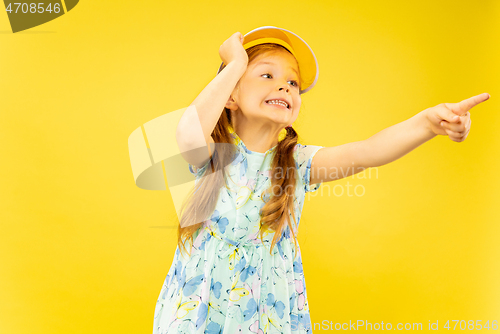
211	101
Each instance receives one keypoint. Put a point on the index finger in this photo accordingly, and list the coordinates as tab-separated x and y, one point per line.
471	102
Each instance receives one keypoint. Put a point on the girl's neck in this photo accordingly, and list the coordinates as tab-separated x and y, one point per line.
256	139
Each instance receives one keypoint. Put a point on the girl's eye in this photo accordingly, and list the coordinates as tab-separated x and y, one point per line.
295	82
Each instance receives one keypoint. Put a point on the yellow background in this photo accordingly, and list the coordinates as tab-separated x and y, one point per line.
84	250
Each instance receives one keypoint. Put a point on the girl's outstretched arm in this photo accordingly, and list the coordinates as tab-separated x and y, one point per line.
452	119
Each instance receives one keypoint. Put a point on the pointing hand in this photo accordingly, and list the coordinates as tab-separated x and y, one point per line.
453	119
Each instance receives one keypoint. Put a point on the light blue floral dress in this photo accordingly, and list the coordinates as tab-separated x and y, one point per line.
231	283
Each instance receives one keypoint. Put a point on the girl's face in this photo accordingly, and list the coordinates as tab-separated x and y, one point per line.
270	76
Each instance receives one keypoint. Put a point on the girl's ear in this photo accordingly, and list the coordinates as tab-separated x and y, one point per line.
231	104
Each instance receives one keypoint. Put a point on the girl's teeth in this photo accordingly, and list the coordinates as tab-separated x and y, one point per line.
280	103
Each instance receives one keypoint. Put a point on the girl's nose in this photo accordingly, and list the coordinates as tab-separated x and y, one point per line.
284	87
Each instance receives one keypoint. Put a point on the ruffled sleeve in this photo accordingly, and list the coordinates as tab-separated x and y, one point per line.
303	155
197	172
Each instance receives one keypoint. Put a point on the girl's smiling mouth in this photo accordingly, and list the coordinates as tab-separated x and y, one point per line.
278	105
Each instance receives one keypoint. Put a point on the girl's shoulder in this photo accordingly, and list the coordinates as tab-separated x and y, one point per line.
304	153
303	156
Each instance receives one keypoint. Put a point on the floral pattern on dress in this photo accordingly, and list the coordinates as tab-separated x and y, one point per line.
230	283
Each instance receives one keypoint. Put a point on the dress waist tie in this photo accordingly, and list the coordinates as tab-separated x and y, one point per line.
241	247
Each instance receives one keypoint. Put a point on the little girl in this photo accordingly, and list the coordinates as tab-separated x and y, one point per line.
238	266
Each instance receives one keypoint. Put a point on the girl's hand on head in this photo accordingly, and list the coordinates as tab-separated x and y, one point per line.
232	50
453	119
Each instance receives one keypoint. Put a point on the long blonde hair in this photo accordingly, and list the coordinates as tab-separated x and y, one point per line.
201	202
